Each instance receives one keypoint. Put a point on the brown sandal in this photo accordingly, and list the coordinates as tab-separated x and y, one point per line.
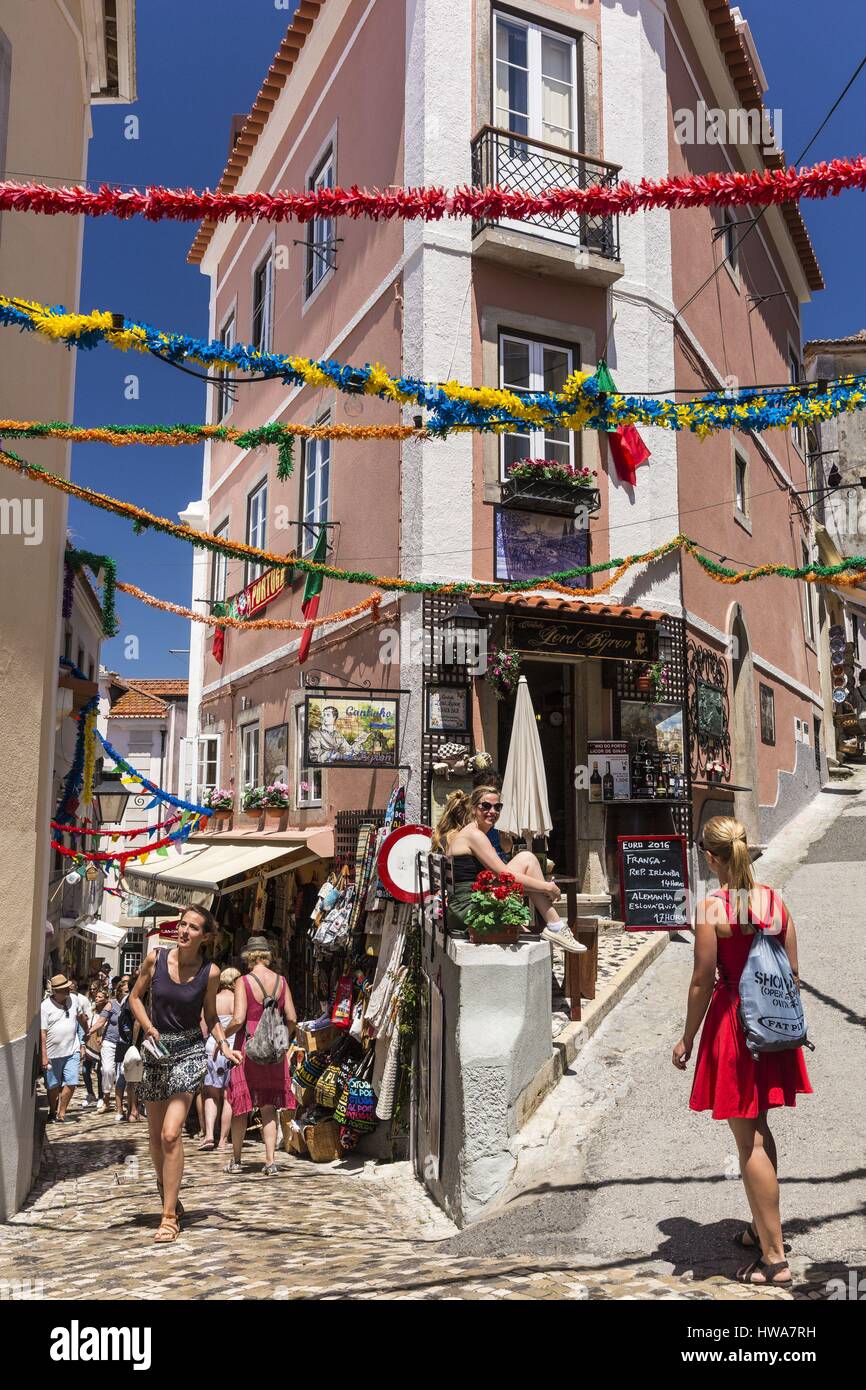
167	1231
753	1243
744	1276
178	1206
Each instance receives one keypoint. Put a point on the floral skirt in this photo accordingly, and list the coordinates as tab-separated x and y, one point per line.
183	1070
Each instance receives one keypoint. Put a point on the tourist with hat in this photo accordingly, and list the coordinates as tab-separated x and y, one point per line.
258	1085
60	1016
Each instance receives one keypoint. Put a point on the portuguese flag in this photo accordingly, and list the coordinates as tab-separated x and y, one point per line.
312	590
626	446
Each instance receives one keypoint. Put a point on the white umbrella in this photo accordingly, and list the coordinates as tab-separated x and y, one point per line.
525	809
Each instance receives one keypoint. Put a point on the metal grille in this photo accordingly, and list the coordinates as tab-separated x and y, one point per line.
434	608
707	667
346	827
506	160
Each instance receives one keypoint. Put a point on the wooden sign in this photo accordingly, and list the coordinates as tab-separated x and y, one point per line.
586	636
654	882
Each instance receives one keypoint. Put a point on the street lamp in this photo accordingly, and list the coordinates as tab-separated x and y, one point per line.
462	625
110	799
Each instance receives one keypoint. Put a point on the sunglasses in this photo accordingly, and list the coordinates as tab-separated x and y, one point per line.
491	805
702	846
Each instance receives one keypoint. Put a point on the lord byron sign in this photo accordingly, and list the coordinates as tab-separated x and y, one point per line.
584	636
654	882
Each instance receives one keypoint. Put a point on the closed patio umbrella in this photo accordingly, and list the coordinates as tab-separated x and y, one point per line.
525	809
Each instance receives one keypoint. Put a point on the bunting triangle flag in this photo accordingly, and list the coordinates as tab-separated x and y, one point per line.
162	852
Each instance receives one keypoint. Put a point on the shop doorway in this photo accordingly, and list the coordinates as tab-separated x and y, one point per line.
551	687
743	738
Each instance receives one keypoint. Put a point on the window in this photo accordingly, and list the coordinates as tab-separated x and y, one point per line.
225	391
67	643
816	726
208	767
741	493
250	755
263	304
308	780
80	662
526	365
219	569
807	597
321	249
90	669
316	485
795	372
535	83
730	238
257	528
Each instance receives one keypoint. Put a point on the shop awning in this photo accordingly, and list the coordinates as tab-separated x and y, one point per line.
104	933
550	625
197	877
552	605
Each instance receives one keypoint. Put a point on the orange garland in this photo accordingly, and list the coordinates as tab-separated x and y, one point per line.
99	435
261	624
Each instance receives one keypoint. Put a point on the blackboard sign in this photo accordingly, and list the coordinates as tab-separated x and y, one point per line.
654	882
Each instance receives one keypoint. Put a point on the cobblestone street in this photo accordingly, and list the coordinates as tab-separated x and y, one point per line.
317	1232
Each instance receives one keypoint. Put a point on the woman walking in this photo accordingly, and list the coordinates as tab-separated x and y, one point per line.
217	1106
728	1081
182	984
463	833
104	1035
254	1085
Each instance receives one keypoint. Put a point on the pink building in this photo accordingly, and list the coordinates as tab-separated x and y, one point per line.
527	95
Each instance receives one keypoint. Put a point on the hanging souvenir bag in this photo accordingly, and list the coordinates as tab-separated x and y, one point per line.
356	1108
341	1014
311	1068
333	935
329	894
329	1087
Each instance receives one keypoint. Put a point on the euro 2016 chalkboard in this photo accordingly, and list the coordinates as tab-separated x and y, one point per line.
654	882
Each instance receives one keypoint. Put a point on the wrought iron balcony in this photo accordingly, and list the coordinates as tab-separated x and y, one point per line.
515	162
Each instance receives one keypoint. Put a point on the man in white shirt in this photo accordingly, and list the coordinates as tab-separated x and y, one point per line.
59	1018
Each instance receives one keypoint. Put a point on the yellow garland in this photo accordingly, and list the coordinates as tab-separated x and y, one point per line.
253	624
89	759
99	435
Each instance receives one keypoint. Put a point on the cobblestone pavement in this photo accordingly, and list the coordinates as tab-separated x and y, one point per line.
314	1232
616	946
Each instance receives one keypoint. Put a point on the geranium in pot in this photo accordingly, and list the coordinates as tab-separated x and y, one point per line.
253	802
275	800
503	671
497	910
219	802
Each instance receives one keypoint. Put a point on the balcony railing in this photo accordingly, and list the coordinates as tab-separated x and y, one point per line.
530	166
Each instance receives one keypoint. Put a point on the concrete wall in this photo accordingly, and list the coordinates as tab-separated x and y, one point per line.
39	259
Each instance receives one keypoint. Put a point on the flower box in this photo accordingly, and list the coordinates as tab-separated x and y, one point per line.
546	495
507	937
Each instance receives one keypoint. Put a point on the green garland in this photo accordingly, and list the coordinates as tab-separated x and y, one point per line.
78	559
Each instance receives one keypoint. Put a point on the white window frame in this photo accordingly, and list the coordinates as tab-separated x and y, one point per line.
311	775
223	400
220	567
200	740
319	449
267	335
256	534
798	432
319	265
246	743
536	379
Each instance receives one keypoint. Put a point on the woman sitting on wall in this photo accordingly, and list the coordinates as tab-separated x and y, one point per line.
463	835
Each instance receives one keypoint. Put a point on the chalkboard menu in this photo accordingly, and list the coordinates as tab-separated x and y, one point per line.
654	881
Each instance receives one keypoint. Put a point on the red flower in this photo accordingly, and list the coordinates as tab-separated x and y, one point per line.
501	892
483	881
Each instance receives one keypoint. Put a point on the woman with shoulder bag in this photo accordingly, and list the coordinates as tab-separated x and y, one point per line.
728	1080
254	1084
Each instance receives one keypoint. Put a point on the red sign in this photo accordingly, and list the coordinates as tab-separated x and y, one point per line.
257	595
397	862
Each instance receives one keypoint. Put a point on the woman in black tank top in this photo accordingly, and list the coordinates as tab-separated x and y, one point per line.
183	986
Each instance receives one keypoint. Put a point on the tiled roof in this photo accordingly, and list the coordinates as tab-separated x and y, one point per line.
247	137
746	83
853	340
556	604
146	698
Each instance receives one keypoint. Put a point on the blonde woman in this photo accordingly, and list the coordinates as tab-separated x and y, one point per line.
257	1085
463	833
728	1081
215	1102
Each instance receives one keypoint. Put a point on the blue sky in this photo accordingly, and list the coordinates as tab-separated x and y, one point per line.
201	61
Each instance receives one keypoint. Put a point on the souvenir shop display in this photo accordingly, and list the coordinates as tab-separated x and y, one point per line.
345	1063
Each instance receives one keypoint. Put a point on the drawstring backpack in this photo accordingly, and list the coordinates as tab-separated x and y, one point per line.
270	1042
770	1010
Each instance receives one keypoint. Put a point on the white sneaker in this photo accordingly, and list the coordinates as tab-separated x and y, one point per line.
564	938
101	1108
84	1103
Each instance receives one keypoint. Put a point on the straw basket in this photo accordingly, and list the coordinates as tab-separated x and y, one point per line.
293	1138
323	1141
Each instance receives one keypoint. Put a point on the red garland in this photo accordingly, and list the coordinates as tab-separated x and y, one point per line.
430	204
94	856
142	830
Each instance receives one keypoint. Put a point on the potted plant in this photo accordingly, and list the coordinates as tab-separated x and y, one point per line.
252	802
275	800
497	910
503	671
653	679
715	770
219	802
546	485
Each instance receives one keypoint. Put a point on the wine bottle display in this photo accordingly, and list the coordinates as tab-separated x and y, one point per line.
607	785
595	784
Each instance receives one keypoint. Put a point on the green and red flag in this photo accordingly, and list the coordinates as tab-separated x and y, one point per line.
312	590
626	446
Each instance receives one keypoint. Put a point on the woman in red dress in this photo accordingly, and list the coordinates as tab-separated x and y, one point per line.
258	1085
728	1081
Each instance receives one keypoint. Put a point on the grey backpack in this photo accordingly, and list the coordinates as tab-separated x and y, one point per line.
270	1042
770	1009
